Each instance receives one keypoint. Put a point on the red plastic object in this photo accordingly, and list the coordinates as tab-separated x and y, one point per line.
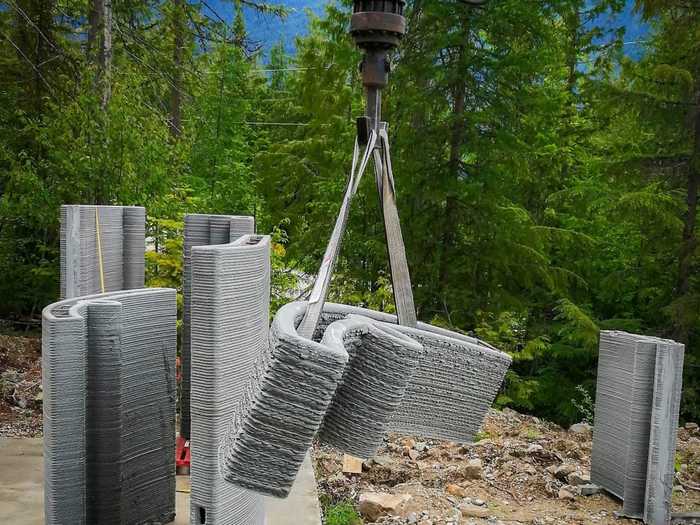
182	455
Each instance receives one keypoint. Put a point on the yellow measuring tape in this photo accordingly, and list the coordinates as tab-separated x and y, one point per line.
99	250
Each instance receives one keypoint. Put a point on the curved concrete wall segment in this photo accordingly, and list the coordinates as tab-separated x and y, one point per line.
636	416
282	408
381	366
453	386
122	232
201	230
230	296
108	370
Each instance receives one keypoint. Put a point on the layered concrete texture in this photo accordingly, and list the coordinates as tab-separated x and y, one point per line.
230	295
108	370
637	405
201	230
455	382
116	234
381	363
282	407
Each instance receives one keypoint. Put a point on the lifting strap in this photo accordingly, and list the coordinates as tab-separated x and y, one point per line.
99	249
377	147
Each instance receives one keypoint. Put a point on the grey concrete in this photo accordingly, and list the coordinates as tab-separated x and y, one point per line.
21	490
455	383
637	405
108	370
201	230
122	231
382	363
230	302
284	403
668	380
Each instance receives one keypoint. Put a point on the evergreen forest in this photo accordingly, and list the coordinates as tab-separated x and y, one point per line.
547	177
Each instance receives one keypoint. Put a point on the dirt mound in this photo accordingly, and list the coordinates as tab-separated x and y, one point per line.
521	471
20	386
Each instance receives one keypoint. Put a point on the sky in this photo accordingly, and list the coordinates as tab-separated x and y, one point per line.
268	30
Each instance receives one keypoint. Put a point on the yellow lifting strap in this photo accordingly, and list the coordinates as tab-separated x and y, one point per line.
99	249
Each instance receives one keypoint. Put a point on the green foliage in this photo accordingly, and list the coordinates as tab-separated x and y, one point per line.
584	404
544	180
343	513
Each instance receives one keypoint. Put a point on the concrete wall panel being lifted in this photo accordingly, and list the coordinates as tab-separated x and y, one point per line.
201	230
108	369
230	295
454	385
122	231
357	382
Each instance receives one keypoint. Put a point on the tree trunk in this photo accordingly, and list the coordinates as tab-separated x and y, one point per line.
178	26
106	52
100	40
449	237
689	241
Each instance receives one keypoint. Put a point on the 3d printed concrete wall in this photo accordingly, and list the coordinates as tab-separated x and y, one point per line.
230	295
381	366
356	381
454	385
202	230
122	231
352	381
282	408
108	370
636	416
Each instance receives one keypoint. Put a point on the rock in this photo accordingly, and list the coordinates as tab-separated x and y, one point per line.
373	505
580	428
691	426
456	490
534	449
473	511
562	471
479	502
351	464
473	469
413	454
412	518
420	447
408	442
589	490
577	479
566	494
381	461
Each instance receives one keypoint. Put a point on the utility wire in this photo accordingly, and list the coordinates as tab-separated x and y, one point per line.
33	66
21	11
155	111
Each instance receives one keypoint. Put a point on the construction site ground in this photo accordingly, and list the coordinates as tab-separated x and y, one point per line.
520	470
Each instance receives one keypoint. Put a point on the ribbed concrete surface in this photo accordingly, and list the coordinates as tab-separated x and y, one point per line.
637	405
108	369
201	230
122	231
282	408
455	383
381	366
230	299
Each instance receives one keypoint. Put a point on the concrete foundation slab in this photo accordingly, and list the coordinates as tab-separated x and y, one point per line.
22	490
